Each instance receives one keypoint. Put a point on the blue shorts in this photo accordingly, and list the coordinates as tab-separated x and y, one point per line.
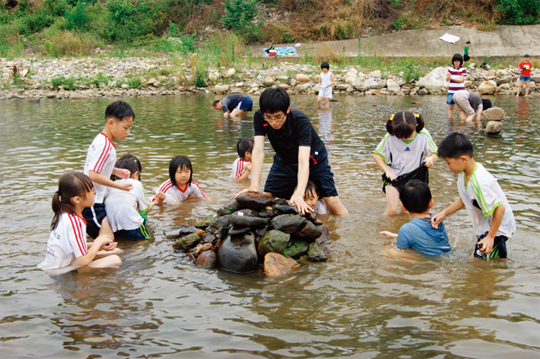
450	99
525	78
246	104
499	248
282	179
94	216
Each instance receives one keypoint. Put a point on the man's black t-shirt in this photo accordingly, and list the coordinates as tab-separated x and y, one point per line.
296	131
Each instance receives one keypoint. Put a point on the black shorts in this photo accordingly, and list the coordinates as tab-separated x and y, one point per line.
94	216
499	248
421	173
135	234
466	58
282	179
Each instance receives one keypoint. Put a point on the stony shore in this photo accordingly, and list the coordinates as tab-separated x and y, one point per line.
131	77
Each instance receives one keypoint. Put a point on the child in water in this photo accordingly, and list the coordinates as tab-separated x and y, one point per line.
325	83
67	248
312	197
180	184
127	211
400	153
241	168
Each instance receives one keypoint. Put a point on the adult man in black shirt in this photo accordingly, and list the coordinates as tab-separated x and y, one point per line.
237	104
300	154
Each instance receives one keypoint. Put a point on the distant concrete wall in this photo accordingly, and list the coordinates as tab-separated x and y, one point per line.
504	41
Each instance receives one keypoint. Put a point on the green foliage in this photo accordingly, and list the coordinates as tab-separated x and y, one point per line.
238	16
56	7
77	18
199	79
128	22
134	82
37	21
67	83
519	12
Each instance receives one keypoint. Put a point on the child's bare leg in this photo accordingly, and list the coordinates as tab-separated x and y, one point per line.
519	88
450	111
107	262
326	103
526	88
334	205
392	200
319	99
106	229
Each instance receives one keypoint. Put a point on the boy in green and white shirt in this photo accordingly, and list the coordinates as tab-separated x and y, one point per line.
482	196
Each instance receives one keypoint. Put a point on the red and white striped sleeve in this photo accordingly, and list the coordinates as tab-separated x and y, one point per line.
101	152
77	235
238	168
196	190
165	186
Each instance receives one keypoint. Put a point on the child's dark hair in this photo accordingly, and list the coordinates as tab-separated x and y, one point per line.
325	65
71	184
455	145
119	110
403	124
312	187
468	42
457	57
244	145
274	100
179	161
129	162
415	196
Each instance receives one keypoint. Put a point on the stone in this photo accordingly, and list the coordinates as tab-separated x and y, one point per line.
535	78
487	87
212	77
239	219
392	86
50	95
309	231
207	259
276	265
288	223
316	253
179	231
273	241
435	81
494	127
238	254
256	201
285	209
268	81
296	249
369	84
203	223
504	80
494	114
185	243
422	92
376	73
230	72
301	78
325	236
229	207
75	95
341	86
468	83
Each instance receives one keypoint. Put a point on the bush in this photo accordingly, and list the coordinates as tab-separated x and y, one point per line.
238	16
126	22
519	12
61	43
77	18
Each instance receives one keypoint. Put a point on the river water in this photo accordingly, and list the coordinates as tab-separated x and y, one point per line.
358	304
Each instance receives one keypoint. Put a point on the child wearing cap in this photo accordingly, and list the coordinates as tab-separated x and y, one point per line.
525	66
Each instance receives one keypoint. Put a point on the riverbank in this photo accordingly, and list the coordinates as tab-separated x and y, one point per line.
80	78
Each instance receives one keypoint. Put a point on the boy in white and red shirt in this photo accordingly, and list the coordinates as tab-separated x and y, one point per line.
525	66
180	184
100	160
456	75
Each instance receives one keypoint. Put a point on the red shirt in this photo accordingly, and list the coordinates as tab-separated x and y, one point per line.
525	67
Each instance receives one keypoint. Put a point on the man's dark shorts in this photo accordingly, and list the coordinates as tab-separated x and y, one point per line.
246	104
498	251
94	216
282	179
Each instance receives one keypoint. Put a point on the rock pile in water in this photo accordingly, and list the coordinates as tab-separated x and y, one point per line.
250	231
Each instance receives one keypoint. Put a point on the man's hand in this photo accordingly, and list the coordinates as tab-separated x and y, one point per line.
301	205
436	219
122	173
247	190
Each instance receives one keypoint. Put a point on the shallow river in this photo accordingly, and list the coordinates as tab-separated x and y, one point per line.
358	304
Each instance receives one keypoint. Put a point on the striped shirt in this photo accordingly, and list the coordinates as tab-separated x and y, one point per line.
66	242
238	168
175	194
455	74
100	158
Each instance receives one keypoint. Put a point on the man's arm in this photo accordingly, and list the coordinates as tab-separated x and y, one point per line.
302	180
102	180
439	217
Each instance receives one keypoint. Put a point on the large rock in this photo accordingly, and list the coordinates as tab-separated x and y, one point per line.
302	78
230	72
494	127
185	243
256	201
219	89
435	81
238	254
535	78
376	73
504	80
268	81
392	86
75	95
229	207
273	241
494	114
276	265
316	253
296	249
369	84
487	87
309	231
207	259
288	223
239	219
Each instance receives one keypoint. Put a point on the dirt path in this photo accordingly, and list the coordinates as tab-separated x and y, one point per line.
505	41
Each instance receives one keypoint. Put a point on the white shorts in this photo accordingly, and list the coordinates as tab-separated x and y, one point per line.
325	92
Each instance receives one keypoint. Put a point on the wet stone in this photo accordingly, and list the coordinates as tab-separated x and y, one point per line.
288	223
316	253
247	212
297	249
229	207
325	236
256	201
207	259
179	231
238	219
208	238
309	231
238	254
184	243
285	209
239	230
204	223
281	201
276	265
273	241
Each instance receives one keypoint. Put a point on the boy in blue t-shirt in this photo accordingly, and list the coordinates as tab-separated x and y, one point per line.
419	234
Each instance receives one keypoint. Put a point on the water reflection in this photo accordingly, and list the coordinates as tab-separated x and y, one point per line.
358	304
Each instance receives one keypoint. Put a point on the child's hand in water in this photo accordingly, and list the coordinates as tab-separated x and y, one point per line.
248	167
388	234
122	173
110	246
